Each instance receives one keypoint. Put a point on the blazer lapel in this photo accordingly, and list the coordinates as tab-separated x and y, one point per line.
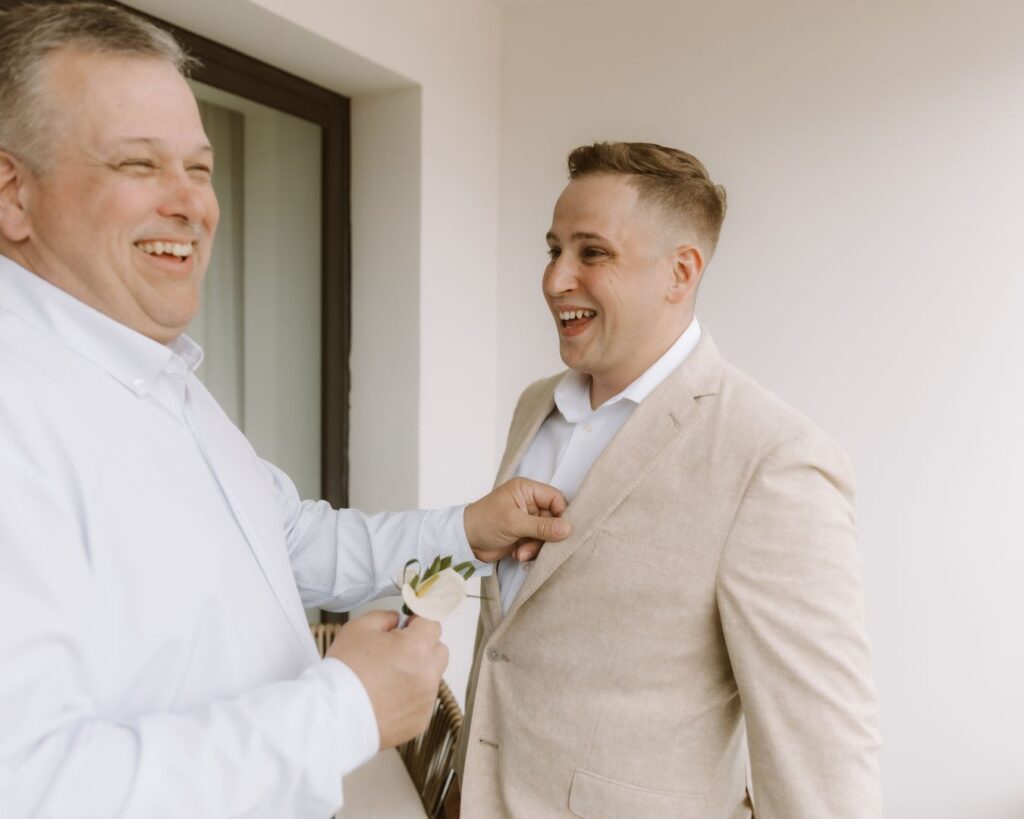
527	420
668	413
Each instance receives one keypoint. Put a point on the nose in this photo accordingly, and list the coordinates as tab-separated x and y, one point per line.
559	276
189	200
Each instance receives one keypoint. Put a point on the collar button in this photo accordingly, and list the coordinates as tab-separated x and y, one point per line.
139	387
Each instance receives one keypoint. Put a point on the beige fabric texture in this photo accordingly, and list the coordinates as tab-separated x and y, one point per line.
697	648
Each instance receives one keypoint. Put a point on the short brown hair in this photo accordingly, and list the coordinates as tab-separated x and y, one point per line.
674	180
31	33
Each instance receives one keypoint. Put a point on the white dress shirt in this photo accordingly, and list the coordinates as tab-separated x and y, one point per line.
154	655
574	435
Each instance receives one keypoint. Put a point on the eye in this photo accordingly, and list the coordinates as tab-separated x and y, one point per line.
592	253
554	252
201	169
136	164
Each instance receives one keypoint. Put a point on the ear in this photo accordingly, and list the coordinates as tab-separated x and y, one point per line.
687	268
14	218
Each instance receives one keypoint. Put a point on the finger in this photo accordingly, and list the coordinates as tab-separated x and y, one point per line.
527	551
375	621
441	658
424	629
540	496
532	527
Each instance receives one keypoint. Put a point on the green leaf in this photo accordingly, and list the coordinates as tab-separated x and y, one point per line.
414	582
446	562
465	569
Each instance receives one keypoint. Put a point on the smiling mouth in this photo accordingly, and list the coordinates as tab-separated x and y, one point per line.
575	318
179	251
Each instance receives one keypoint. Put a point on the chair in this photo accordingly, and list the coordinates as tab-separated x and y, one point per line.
427	757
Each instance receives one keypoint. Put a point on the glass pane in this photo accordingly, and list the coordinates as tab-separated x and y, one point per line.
260	320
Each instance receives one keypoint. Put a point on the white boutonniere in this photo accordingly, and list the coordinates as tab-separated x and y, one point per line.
435	593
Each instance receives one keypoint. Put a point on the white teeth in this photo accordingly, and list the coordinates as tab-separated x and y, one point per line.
569	315
182	250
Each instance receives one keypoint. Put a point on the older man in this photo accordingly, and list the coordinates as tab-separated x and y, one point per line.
153	570
707	609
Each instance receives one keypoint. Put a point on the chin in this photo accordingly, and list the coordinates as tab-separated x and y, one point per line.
165	326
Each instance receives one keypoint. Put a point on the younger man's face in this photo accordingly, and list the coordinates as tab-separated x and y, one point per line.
609	280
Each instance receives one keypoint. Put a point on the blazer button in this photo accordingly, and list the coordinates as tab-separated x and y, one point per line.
493	655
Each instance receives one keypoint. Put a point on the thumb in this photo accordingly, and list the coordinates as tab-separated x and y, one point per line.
544	528
376	621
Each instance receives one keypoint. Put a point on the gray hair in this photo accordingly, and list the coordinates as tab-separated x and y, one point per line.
31	33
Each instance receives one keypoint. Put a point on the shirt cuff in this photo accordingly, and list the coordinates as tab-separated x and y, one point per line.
360	740
461	551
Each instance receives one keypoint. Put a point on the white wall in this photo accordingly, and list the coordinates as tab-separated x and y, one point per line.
870	272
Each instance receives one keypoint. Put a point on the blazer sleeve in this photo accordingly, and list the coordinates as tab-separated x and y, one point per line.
791	602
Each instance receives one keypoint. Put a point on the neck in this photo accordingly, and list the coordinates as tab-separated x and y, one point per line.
608	384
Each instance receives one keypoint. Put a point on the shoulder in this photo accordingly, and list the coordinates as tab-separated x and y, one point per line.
759	408
541	389
535	399
40	386
26	364
753	419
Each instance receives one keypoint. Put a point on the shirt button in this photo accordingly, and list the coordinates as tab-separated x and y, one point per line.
139	387
493	655
587	428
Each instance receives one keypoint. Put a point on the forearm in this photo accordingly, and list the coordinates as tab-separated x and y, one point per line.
278	748
342	558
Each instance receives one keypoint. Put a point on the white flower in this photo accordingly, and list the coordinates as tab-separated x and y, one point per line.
438	592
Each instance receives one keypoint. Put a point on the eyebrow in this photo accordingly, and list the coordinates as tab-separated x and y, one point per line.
578	235
202	147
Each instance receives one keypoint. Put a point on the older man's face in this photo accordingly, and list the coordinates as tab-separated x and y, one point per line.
123	214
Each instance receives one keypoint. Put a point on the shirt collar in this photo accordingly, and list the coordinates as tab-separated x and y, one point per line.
132	358
572	395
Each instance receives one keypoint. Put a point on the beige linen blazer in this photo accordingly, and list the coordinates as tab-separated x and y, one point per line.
697	648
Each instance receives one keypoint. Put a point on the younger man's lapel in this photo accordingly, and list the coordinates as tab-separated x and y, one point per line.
669	415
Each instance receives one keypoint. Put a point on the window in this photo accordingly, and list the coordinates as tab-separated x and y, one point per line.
263	302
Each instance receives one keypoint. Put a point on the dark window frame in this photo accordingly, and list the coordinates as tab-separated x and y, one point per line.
232	71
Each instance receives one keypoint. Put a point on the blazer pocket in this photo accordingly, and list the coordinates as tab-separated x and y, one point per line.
597	797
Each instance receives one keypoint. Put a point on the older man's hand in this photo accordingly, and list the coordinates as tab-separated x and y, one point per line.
516	518
400	669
